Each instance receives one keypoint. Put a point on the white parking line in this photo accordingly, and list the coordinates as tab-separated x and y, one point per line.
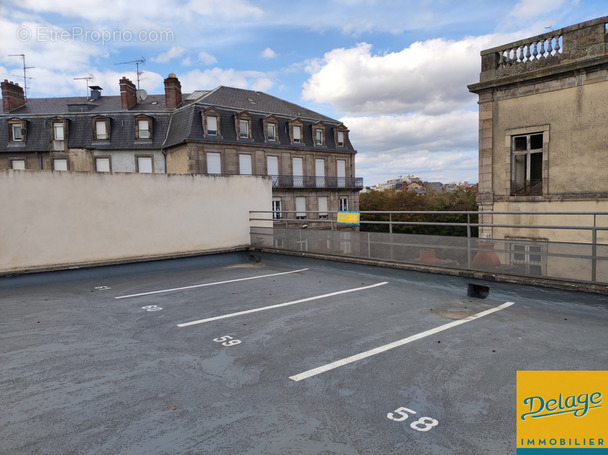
294	302
363	355
209	284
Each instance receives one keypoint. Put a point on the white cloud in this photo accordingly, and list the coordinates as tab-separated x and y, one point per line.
430	77
269	53
209	79
172	53
449	132
206	58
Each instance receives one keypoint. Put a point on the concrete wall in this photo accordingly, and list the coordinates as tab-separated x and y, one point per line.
61	219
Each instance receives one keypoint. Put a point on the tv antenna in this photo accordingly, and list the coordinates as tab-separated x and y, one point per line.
137	63
25	68
90	78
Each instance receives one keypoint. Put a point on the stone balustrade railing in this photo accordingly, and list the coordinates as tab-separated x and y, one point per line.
554	49
537	48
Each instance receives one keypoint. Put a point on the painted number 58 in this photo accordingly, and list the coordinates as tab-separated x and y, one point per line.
422	424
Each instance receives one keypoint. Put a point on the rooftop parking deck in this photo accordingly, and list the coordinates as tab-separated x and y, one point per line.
255	353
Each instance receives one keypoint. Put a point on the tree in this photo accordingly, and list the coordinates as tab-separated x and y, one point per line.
391	200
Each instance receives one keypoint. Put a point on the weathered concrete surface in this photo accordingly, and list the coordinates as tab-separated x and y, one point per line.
84	372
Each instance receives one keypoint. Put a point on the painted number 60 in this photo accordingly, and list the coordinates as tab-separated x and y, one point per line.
422	424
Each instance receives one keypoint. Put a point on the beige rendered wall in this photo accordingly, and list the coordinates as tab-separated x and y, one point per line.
578	137
58	219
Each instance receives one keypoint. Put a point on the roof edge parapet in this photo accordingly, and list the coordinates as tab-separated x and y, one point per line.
547	53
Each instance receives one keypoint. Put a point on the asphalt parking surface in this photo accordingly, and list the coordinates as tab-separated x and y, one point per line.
270	354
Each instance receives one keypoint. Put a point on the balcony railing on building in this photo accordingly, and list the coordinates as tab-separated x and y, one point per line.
309	181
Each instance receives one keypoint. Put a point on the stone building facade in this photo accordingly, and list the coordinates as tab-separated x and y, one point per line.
543	141
225	131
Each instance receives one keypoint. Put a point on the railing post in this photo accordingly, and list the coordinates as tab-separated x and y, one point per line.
594	249
469	255
390	223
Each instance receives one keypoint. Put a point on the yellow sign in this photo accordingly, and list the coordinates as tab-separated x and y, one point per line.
562	410
348	217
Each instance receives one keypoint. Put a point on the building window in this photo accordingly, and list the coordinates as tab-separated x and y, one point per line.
245	164
297	172
58	131
212	126
322	207
300	208
320	173
527	164
276	208
102	164
272	169
340	138
271	128
214	163
528	255
143	127
297	134
17	130
101	129
244	129
343	204
272	131
60	164
18	165
318	137
145	165
341	173
318	130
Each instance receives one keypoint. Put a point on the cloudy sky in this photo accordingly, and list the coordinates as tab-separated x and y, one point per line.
394	71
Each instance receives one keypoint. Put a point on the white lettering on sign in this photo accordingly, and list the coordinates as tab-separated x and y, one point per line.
422	424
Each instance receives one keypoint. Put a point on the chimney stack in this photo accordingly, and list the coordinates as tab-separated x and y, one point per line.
173	92
12	96
128	93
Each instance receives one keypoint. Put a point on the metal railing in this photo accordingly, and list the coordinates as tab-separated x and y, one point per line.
569	246
311	181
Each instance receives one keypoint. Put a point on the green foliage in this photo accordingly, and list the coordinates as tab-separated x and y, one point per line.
406	201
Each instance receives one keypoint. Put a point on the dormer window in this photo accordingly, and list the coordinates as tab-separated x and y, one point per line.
101	128
295	127
143	127
243	129
318	130
271	128
58	132
243	125
212	126
211	122
341	135
17	130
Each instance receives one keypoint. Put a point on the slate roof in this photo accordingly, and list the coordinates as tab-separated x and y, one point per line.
170	126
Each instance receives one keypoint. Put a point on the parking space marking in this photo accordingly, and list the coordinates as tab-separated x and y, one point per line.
396	344
279	305
209	284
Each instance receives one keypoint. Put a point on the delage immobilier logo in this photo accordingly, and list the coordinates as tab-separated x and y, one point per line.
562	412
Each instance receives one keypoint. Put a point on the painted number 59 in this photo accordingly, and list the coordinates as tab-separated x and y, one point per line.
422	424
227	340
